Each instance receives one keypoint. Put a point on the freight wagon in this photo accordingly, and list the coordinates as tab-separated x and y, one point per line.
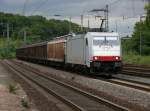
45	52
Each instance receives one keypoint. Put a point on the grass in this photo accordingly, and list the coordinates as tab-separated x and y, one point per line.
25	103
137	59
12	88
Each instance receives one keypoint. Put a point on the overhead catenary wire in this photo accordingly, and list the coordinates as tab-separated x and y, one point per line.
134	13
109	4
39	6
133	2
113	3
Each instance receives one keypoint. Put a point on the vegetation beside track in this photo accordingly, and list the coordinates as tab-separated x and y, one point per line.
136	50
139	43
137	59
8	49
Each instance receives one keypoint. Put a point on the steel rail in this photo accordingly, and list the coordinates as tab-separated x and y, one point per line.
20	74
96	98
127	83
135	73
137	68
131	84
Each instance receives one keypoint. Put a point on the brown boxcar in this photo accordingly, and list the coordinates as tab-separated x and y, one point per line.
49	51
56	50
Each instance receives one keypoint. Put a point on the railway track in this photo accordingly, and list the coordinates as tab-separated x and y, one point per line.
134	70
137	66
128	83
76	98
131	84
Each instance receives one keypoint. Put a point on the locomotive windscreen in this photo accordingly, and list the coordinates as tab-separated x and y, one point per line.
106	41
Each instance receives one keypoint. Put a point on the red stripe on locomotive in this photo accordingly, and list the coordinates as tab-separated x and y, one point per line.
106	58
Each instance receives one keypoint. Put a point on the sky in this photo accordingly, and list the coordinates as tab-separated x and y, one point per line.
130	9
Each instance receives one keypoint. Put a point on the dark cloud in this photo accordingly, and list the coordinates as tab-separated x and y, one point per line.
130	8
74	7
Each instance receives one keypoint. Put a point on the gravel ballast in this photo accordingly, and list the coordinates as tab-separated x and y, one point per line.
12	95
129	94
42	100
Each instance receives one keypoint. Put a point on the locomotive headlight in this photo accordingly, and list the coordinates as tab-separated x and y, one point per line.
95	58
117	58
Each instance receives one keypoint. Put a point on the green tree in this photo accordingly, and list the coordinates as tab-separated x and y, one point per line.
141	35
37	29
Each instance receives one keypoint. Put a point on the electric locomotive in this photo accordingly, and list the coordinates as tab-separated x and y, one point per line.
98	51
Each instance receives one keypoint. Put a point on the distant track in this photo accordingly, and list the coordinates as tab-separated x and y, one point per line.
127	83
74	97
131	84
133	70
138	66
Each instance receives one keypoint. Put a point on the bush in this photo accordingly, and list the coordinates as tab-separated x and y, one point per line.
25	103
137	59
8	50
12	88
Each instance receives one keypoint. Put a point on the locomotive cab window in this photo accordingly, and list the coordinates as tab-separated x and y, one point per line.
105	41
113	40
98	41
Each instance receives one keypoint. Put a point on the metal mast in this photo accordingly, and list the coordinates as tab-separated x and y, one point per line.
24	7
107	21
